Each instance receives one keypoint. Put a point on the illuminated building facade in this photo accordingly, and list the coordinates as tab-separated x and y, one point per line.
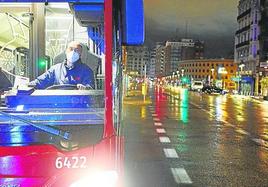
251	44
211	71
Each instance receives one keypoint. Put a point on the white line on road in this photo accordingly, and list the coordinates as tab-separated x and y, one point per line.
164	139
160	130
157	124
229	124
181	176
170	153
154	115
241	131
156	119
260	142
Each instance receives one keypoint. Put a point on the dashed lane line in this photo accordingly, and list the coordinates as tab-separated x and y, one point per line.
180	175
160	131
164	139
157	124
156	119
170	153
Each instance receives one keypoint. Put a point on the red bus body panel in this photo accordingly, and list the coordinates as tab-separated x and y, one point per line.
35	165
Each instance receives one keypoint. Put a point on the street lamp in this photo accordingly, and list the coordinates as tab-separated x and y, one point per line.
173	79
178	77
182	71
212	75
222	71
241	66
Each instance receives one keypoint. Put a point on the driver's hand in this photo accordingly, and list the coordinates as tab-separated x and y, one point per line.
81	87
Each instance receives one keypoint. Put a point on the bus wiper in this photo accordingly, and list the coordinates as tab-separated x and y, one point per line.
48	129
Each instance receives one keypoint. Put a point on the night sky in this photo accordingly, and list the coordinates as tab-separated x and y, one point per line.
213	21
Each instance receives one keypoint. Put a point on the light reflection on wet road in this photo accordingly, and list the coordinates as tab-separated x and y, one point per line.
215	138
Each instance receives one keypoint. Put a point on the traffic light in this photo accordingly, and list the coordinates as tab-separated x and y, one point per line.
185	80
43	64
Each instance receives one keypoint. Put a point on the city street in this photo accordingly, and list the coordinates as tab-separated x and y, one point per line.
191	139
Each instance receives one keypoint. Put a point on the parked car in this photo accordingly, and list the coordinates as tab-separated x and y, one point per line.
213	90
197	86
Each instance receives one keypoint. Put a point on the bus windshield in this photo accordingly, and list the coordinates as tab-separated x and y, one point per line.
54	65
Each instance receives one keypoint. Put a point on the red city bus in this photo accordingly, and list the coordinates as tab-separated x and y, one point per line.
62	136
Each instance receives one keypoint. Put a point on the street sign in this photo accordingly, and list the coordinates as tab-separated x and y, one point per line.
236	79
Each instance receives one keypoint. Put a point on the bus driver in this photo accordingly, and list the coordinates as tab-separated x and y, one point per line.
70	71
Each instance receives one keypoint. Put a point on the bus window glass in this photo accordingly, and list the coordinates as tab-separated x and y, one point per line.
60	65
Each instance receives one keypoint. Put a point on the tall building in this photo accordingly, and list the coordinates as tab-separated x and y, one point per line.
251	43
160	60
174	51
137	58
151	66
263	65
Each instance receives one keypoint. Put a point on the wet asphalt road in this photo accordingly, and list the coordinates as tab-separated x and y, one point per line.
190	139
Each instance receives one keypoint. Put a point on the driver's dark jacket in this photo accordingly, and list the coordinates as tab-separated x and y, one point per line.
60	74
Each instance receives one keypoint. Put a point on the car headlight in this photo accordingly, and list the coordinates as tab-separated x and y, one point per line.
98	179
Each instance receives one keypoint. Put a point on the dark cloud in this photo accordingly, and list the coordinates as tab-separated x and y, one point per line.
213	21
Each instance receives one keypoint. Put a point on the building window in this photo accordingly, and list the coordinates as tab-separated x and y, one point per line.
255	34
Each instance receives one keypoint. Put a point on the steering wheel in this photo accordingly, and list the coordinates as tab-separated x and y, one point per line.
62	87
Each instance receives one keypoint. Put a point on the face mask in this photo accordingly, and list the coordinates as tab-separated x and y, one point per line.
72	57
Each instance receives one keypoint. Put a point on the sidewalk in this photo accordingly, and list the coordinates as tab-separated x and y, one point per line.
135	97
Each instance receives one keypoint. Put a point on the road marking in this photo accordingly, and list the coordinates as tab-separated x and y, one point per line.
156	119
264	136
181	176
164	139
154	115
160	130
170	153
229	124
158	124
241	131
260	142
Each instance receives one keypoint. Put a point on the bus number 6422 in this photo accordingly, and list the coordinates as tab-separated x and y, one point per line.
72	162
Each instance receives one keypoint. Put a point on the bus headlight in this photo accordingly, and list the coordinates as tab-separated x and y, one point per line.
98	179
